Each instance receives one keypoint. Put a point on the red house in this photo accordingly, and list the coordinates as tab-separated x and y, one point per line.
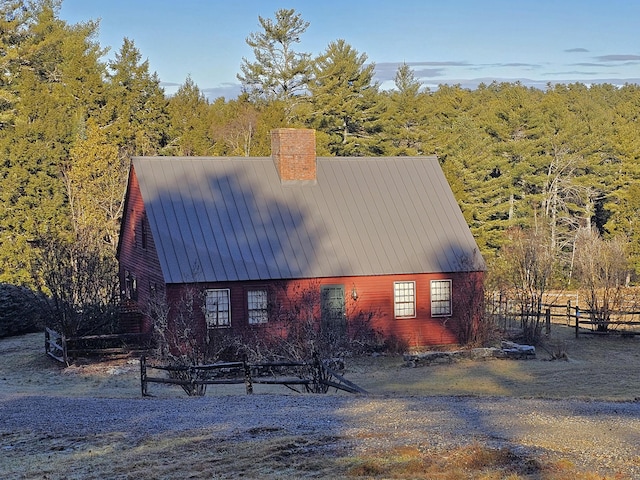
381	234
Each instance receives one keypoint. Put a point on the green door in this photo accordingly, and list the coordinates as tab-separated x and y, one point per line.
332	308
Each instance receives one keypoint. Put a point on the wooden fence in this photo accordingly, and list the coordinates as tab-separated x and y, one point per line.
506	316
55	344
622	323
514	320
314	377
66	349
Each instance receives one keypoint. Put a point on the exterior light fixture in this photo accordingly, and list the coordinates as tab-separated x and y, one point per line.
354	292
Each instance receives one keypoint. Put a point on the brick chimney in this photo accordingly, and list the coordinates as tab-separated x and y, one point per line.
294	154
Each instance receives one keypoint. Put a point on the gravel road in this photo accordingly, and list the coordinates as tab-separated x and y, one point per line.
601	436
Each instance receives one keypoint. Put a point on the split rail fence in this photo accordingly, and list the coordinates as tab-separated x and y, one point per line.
313	377
624	323
66	349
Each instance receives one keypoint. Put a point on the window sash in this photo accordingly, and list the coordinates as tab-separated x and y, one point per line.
404	299
440	298
257	306
218	308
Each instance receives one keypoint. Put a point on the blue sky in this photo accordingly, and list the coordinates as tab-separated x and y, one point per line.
445	42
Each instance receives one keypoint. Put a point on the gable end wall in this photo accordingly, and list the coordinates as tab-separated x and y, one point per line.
142	263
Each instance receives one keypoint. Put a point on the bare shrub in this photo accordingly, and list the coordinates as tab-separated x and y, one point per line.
303	333
182	341
363	338
602	268
469	303
395	345
295	331
81	279
524	269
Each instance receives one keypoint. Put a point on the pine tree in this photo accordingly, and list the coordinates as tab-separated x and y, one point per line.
405	119
189	117
278	72
13	30
135	114
56	77
345	101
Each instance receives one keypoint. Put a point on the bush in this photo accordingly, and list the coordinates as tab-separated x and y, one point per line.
20	310
395	345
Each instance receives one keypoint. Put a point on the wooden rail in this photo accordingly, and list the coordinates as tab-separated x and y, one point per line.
580	319
55	345
318	376
603	327
65	349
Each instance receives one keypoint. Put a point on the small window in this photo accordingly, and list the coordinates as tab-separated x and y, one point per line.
440	298
404	297
218	308
130	285
257	306
143	234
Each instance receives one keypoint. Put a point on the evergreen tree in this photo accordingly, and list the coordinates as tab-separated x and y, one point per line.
279	72
405	119
135	114
623	203
345	101
56	79
13	32
189	117
94	181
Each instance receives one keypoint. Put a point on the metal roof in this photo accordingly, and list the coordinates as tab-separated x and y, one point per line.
228	219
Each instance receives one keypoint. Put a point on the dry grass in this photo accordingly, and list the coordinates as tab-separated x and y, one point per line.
269	455
589	367
190	455
475	461
599	368
465	462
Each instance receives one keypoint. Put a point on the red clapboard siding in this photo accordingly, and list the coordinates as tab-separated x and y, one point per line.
374	294
141	260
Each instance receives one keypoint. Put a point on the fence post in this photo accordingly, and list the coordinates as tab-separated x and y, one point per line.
577	320
548	321
65	356
248	383
568	313
143	375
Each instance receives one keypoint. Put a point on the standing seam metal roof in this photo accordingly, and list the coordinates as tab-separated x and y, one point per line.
228	219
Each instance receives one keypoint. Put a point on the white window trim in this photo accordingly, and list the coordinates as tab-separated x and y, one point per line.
212	317
396	304
439	301
262	312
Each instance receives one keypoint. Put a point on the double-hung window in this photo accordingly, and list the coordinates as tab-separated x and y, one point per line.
440	298
404	299
257	304
218	308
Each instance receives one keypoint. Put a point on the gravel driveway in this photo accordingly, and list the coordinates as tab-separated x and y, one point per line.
600	436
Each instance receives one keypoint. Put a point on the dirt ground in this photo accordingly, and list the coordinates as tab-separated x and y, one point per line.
549	437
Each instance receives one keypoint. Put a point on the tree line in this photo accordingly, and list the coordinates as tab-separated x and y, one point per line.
563	161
